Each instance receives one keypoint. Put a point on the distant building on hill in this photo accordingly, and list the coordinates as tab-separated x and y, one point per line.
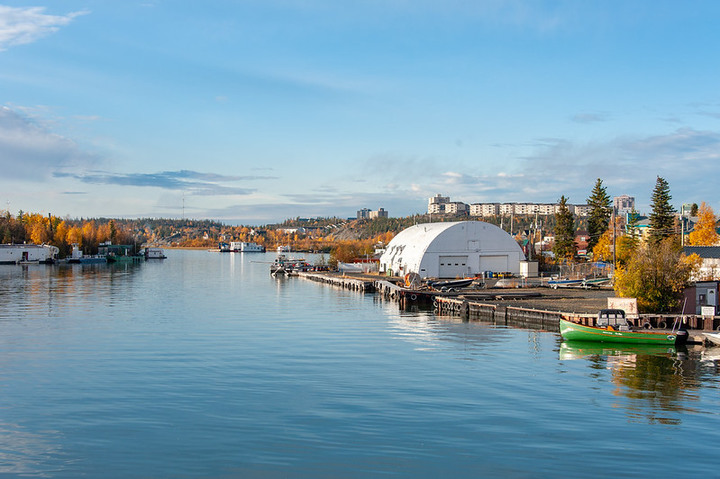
366	213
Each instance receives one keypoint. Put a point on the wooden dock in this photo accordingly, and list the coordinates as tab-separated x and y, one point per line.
539	309
353	284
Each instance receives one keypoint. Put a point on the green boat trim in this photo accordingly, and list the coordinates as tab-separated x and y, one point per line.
578	332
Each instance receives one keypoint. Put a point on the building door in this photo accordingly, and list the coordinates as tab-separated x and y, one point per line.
453	267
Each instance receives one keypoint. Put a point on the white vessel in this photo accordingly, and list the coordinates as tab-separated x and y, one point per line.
28	253
251	248
154	253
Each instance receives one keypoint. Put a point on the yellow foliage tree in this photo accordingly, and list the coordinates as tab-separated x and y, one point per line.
704	233
74	235
60	233
625	245
656	275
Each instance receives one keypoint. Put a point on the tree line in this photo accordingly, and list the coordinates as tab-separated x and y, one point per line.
39	229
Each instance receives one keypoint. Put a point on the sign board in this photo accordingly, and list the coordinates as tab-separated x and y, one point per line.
707	311
629	305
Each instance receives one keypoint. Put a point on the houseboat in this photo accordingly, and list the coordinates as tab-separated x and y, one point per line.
251	248
153	253
77	257
28	253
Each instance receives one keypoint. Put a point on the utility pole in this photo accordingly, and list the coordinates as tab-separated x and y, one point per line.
614	227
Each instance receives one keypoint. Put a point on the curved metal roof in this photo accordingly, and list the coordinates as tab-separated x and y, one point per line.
412	245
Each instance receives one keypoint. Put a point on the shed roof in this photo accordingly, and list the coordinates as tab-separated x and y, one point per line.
707	252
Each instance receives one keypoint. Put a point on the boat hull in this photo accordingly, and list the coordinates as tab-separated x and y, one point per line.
577	332
713	338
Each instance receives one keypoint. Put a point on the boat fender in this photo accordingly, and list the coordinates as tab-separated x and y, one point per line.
662	325
465	308
413	297
647	325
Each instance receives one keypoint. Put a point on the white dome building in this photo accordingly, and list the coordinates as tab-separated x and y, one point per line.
452	250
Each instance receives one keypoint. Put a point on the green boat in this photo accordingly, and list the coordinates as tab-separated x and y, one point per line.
612	327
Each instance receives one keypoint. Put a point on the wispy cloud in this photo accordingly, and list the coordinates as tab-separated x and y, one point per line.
589	118
193	182
629	165
22	25
30	151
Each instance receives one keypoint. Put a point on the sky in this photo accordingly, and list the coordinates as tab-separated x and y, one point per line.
251	112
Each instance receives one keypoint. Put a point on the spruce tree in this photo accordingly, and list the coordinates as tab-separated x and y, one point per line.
662	218
600	210
564	247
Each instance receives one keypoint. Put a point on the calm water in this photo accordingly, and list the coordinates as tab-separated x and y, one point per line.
205	366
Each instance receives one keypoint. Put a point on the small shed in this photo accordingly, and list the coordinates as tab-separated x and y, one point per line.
452	250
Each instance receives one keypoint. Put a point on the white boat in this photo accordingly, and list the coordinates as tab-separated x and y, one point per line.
28	253
154	253
713	338
564	283
77	257
246	247
283	248
252	248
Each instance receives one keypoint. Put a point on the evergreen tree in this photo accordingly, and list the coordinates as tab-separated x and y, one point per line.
600	210
662	218
564	247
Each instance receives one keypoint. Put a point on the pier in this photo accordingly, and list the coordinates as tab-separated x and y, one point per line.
539	308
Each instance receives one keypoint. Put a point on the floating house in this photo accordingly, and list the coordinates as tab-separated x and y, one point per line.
246	247
28	253
452	250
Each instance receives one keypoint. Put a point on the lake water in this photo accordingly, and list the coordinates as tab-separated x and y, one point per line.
203	365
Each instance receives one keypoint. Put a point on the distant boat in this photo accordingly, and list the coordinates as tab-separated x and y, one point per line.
153	253
77	257
564	283
283	248
451	284
249	247
28	254
713	338
284	265
612	327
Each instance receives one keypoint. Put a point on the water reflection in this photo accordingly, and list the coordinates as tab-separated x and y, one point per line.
430	332
657	381
24	453
41	290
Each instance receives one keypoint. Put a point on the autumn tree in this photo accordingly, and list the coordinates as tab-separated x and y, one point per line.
624	246
705	232
662	218
564	247
656	275
600	210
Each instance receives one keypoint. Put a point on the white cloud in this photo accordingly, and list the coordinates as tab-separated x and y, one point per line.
20	25
30	151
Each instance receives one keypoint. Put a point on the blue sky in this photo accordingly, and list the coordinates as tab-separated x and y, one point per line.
255	111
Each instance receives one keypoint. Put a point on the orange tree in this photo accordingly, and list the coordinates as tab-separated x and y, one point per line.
704	233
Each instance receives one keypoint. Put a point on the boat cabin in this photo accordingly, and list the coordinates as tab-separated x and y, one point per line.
614	318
